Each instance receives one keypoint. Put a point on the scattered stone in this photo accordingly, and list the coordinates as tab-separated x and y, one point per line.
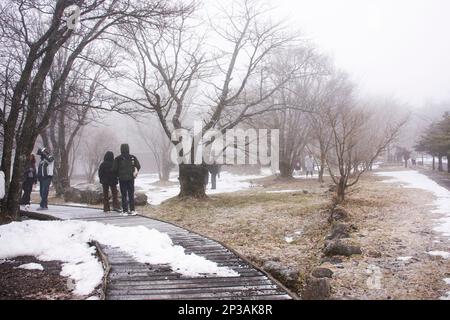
374	254
340	248
340	231
90	196
338	214
287	276
316	289
140	199
332	260
305	191
321	272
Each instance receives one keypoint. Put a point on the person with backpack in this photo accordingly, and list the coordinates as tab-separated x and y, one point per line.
108	180
29	179
45	175
126	168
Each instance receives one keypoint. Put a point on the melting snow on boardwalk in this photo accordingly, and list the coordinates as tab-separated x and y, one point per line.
68	241
414	179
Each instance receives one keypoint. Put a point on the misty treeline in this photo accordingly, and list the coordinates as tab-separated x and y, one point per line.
169	62
436	142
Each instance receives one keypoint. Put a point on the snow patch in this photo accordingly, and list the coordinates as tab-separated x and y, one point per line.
68	241
443	254
289	239
414	179
31	266
283	191
404	258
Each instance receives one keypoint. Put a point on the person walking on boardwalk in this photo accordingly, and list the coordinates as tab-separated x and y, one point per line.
309	165
29	179
108	180
45	175
126	168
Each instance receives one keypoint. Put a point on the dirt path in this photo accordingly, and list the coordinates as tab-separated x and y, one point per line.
395	230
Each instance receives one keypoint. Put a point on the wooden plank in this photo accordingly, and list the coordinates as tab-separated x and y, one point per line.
129	279
182	296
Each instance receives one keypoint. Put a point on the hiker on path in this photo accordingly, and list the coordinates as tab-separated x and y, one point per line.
309	165
29	179
108	180
45	175
126	168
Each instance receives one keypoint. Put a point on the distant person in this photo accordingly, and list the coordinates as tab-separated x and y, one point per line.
297	167
108	180
214	169
126	168
29	179
45	175
309	165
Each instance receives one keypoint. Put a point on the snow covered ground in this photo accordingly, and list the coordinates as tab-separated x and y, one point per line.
228	182
68	241
414	179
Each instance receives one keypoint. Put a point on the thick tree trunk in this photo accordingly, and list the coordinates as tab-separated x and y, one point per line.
340	196
164	175
440	167
322	166
286	169
192	181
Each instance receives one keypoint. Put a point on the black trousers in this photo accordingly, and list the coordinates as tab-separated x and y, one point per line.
127	192
27	187
44	187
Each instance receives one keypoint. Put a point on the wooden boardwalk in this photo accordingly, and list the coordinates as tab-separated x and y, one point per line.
128	279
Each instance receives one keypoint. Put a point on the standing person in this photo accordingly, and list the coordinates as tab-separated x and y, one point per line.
45	175
214	169
108	180
126	168
309	165
29	179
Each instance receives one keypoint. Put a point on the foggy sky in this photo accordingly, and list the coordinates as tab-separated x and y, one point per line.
399	48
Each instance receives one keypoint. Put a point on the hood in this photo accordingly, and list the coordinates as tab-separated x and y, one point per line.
125	148
109	156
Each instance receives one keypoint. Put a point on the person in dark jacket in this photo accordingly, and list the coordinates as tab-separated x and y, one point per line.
45	175
214	169
126	168
108	180
29	179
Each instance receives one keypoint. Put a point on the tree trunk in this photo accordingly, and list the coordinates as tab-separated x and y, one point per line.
286	169
448	164
164	174
340	196
434	163
322	166
192	181
440	167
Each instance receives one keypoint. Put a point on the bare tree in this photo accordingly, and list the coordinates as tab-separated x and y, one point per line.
33	31
93	151
171	64
159	145
352	132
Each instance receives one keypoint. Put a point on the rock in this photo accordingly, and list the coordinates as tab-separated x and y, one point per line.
316	289
340	231
305	191
332	260
321	272
140	199
340	248
287	276
83	196
338	214
374	254
332	188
